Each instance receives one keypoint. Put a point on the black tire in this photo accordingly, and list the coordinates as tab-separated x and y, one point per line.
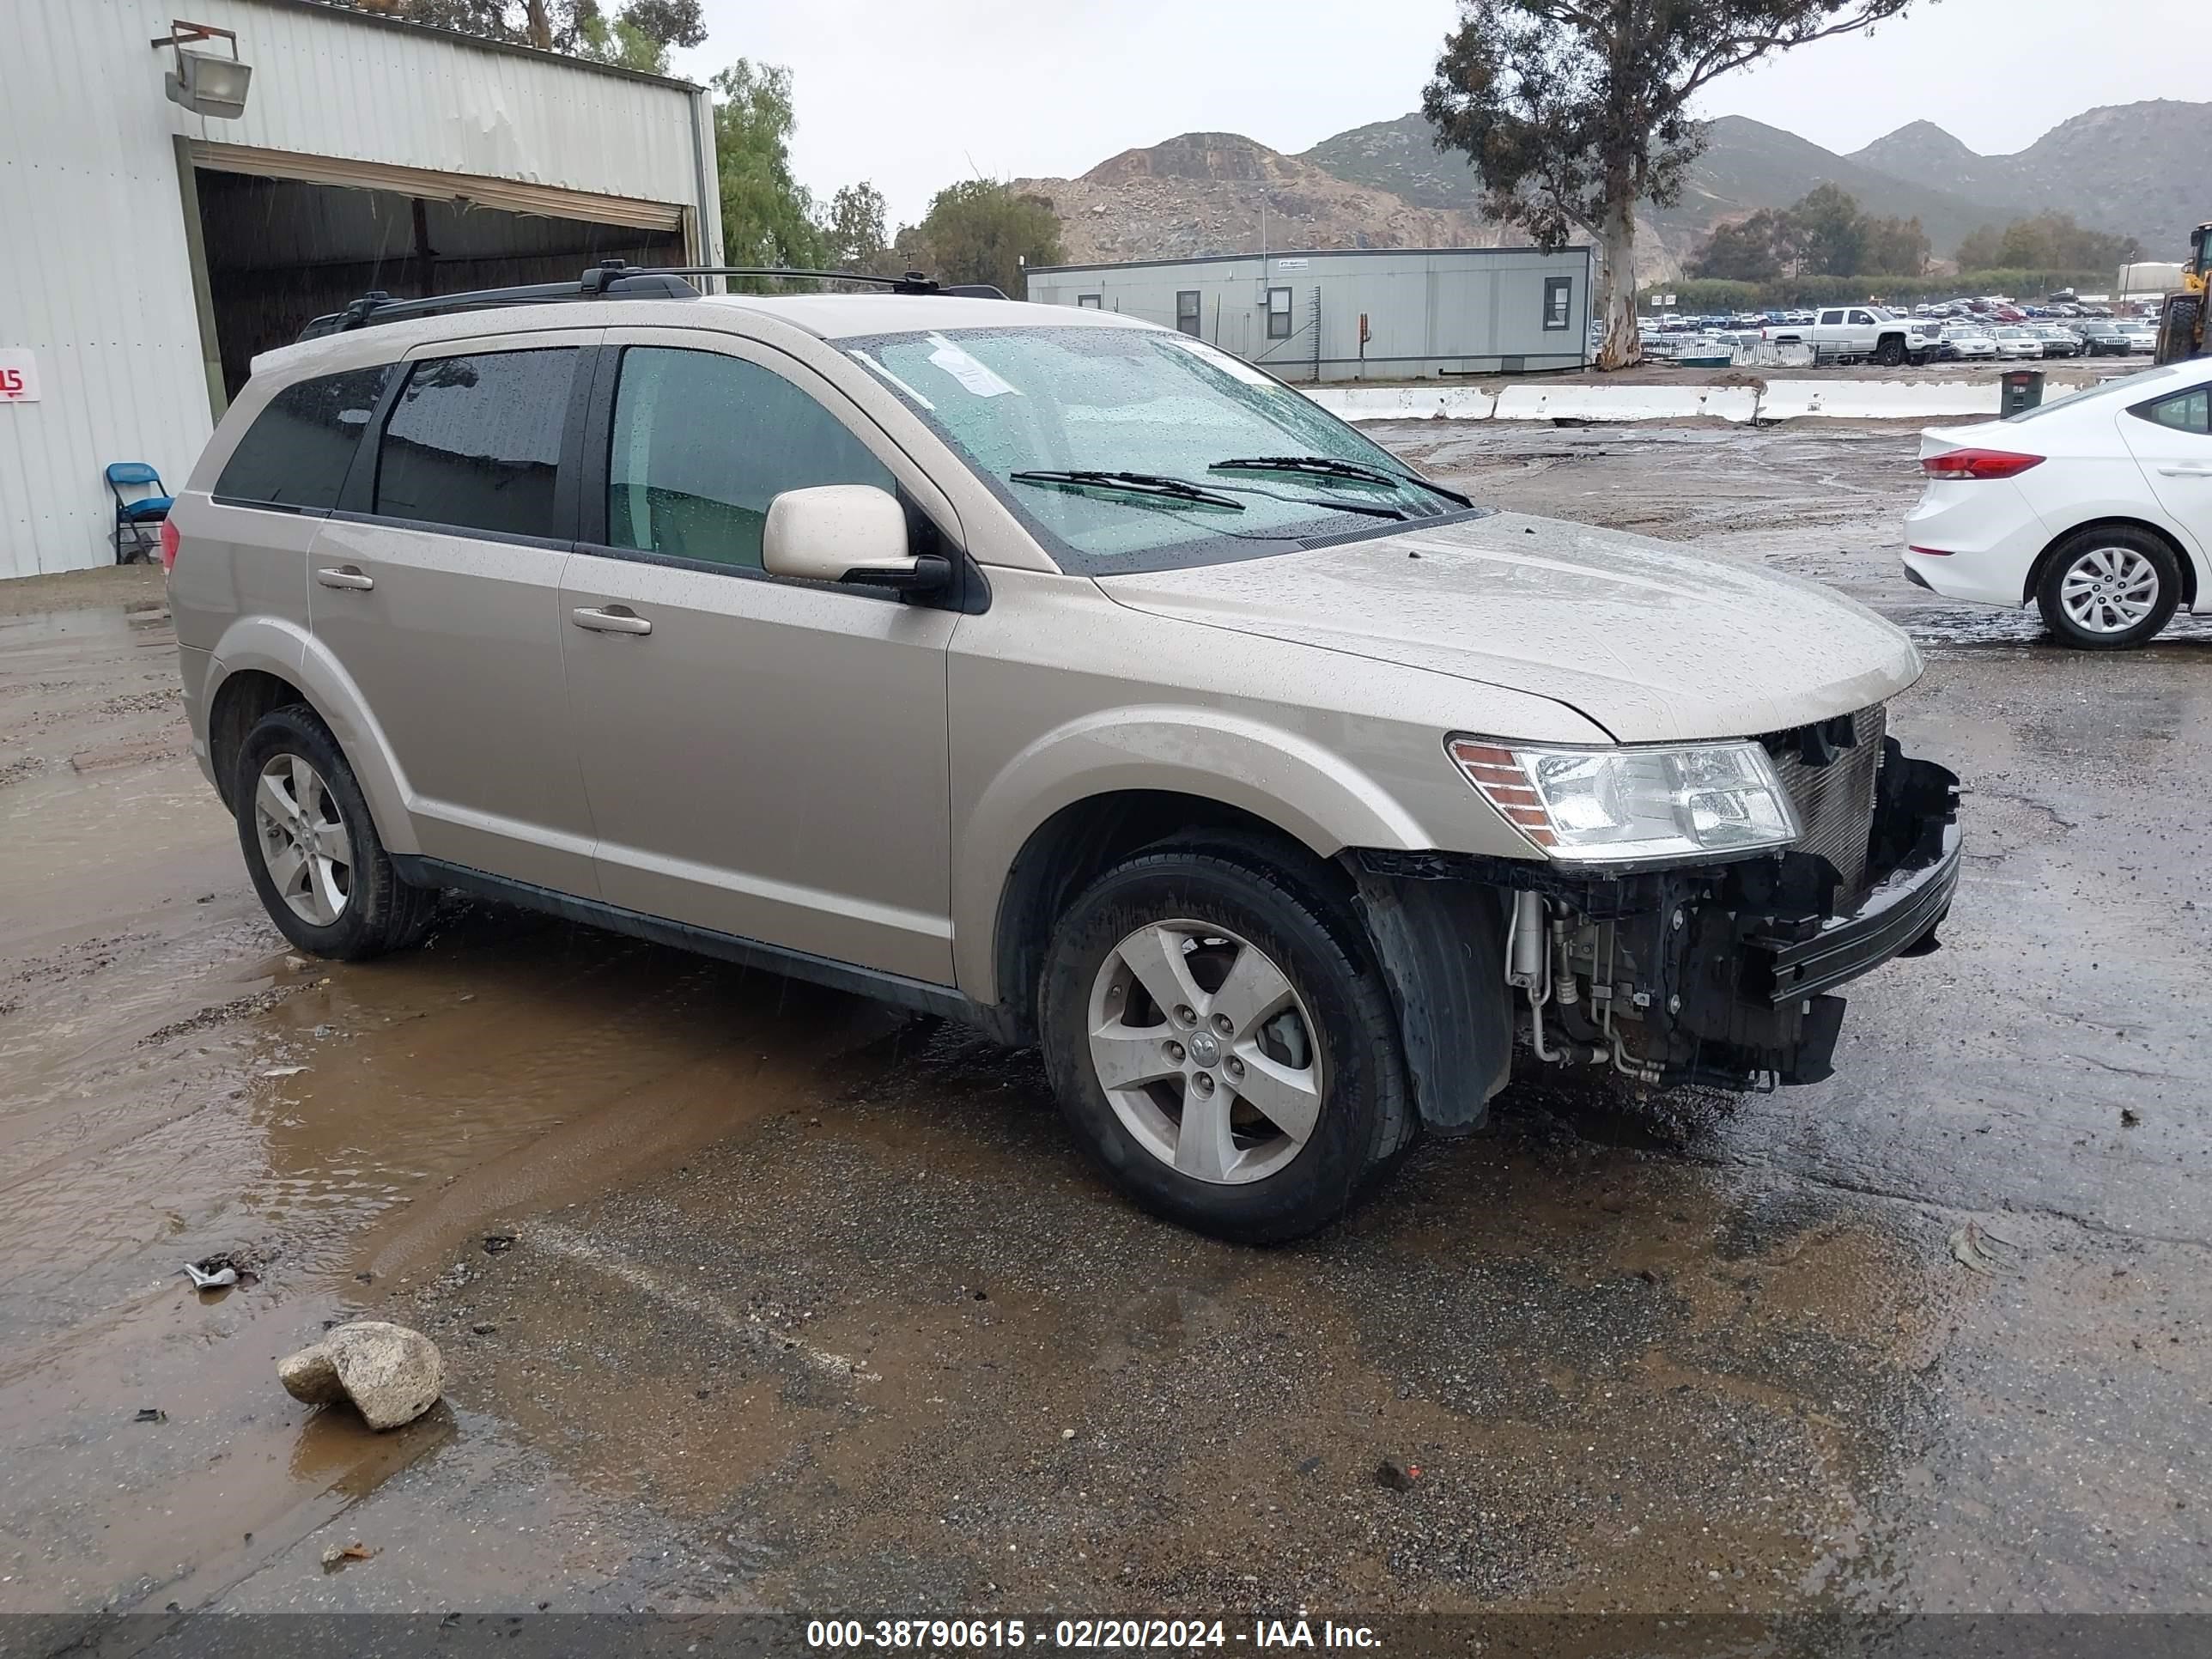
2177	328
381	913
2086	543
1891	351
1259	893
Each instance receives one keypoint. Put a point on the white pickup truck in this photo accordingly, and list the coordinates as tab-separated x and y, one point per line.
1847	333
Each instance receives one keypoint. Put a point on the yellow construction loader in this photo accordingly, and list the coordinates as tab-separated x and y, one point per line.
2181	320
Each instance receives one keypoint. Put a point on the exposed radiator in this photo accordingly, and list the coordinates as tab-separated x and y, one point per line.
1835	802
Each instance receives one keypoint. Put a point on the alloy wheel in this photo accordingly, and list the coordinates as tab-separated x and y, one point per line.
1206	1052
303	839
2109	590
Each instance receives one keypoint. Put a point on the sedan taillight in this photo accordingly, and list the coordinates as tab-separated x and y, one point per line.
169	544
1978	464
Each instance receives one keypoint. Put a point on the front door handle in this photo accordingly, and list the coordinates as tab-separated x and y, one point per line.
615	619
2197	471
346	576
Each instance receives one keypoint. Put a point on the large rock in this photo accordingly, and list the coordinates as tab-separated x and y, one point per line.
390	1374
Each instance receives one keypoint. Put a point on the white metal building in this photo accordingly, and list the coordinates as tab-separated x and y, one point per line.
1357	314
152	251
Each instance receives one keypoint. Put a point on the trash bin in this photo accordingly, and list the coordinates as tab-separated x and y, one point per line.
2023	390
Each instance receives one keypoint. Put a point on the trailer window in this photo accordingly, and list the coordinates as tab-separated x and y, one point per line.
1278	314
1187	312
1558	299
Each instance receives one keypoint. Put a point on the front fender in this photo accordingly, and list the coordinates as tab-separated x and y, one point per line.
289	651
1277	775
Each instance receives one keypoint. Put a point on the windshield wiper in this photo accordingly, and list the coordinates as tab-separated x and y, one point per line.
1329	466
1131	484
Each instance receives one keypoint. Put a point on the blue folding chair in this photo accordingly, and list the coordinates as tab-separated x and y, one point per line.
135	520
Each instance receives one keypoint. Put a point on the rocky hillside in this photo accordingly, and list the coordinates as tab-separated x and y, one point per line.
1217	193
2137	169
1746	165
2132	169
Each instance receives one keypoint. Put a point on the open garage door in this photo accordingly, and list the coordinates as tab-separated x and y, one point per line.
286	238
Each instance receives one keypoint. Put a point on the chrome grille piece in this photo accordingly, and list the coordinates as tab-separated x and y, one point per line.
1835	802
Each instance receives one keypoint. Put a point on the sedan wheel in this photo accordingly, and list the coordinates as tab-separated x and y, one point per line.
1205	1052
303	840
2109	588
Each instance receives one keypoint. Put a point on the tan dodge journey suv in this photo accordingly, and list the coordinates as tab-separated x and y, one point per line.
1049	670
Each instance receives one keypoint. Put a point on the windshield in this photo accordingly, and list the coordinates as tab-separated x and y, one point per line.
1029	407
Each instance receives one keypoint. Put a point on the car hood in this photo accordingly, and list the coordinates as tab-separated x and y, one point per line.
1650	640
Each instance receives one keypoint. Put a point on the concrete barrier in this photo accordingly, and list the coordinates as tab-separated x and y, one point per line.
1601	401
1404	403
1836	400
1876	400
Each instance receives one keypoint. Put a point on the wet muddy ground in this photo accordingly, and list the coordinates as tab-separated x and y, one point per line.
757	1295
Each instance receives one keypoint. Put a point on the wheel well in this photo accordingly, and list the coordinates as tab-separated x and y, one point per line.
2181	559
1071	849
240	703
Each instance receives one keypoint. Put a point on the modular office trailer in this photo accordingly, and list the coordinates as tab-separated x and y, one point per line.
1353	314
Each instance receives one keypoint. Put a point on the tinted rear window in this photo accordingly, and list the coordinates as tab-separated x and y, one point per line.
296	452
474	442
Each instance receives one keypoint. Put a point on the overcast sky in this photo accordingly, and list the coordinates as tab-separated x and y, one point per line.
915	93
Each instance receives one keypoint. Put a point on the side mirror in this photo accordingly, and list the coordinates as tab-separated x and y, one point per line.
846	533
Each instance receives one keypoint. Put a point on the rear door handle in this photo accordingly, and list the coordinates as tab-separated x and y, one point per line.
615	619
345	576
2198	472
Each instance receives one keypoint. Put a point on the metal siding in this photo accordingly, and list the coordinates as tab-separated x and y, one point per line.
100	285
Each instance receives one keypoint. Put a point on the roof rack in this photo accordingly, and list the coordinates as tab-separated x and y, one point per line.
611	279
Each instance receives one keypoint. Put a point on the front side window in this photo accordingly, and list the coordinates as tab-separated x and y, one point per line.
1187	312
1028	407
1278	314
704	443
474	442
1862	319
1559	296
296	453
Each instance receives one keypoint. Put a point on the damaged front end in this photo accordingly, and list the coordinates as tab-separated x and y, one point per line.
1719	973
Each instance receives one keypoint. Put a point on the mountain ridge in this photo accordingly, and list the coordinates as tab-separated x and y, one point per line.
2126	168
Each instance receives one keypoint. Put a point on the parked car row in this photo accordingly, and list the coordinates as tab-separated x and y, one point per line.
2094	337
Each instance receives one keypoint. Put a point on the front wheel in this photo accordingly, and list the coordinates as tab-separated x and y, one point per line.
1221	1041
1890	353
2108	589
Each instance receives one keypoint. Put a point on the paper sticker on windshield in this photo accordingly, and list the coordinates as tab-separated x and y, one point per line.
975	376
1235	367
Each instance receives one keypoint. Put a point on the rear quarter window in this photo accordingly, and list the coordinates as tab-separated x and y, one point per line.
296	453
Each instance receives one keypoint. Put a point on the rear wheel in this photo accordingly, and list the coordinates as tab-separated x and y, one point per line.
311	848
1221	1043
2107	588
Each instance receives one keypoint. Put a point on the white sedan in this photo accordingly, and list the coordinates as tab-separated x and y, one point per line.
2013	342
2097	506
1967	341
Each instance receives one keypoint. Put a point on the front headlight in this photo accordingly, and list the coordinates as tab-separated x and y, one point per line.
1626	806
